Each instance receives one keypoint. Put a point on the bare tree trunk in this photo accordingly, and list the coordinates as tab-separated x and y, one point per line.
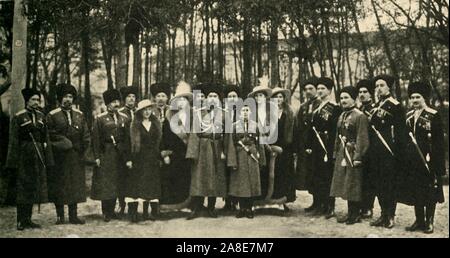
146	68
19	57
136	60
36	53
107	57
361	40
87	90
219	50
247	56
273	54
207	45
387	49
122	59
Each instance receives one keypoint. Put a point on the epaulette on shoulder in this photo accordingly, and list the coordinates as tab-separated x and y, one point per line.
123	114
54	111
23	111
393	101
430	110
77	111
358	111
102	114
121	109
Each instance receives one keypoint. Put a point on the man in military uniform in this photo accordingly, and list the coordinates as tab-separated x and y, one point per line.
29	154
302	131
232	95
425	152
130	98
160	94
320	145
111	149
387	122
366	95
70	140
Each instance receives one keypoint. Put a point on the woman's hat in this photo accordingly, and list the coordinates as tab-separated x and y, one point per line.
144	104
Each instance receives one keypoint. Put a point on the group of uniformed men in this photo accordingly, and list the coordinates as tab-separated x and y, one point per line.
354	150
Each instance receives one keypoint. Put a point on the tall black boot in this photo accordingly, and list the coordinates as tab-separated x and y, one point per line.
354	217
112	208
313	205
122	205
197	204
105	211
249	212
242	208
330	208
381	221
73	215
154	215
21	217
429	219
59	214
419	223
145	206
133	212
212	207
30	223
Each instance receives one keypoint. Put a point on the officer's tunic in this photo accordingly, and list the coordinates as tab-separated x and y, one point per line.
27	125
420	188
110	138
70	140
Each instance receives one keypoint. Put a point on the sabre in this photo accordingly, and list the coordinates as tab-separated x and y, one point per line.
248	151
41	159
325	157
413	139
113	140
382	140
347	154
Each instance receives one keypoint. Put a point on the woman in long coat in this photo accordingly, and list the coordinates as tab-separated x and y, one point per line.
206	150
284	183
245	156
176	169
352	142
422	186
143	182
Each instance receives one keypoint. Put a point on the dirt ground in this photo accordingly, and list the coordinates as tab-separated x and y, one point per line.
267	223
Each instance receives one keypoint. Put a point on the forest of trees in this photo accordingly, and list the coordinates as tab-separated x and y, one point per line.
189	39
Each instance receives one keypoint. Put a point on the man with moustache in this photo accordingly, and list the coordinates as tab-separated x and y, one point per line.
302	131
29	155
320	145
70	140
366	95
160	94
130	98
111	149
387	123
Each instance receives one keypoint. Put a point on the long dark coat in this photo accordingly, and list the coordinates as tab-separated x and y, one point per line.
324	120
347	180
388	118
207	168
144	179
284	164
244	170
70	143
23	156
175	176
302	131
418	187
112	154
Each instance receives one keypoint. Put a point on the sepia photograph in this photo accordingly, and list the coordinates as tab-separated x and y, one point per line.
224	119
